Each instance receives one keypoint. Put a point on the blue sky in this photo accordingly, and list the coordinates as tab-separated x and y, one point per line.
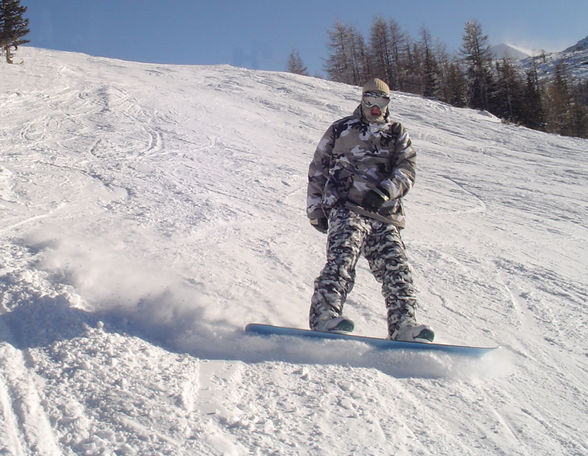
260	34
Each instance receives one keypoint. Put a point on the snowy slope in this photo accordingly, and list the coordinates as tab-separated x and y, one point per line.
148	212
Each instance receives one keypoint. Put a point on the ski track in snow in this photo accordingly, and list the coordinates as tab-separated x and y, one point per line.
149	211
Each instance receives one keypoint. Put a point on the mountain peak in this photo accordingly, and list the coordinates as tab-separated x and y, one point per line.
579	46
505	50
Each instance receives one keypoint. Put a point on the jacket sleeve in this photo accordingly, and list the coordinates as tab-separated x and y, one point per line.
318	174
403	166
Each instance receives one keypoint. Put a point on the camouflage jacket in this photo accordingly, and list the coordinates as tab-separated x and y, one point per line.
354	157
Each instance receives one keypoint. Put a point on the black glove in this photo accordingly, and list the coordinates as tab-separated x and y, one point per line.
321	224
375	199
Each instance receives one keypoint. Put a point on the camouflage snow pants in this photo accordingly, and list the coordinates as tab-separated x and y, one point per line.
350	235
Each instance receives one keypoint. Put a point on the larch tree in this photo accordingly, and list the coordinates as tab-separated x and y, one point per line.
295	64
478	57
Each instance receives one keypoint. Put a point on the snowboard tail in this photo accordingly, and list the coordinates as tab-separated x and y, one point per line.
384	344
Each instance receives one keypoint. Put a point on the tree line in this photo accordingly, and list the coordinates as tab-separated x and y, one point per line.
471	78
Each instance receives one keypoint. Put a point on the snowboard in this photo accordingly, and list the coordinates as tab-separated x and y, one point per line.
383	344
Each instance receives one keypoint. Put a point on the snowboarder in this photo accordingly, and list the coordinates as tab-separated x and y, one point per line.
363	166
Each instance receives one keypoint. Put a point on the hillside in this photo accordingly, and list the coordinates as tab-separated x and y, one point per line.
575	58
149	211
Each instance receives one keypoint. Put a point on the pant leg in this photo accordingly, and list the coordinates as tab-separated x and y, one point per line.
347	231
387	258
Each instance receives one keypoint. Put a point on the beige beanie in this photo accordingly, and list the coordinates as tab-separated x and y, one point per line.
376	85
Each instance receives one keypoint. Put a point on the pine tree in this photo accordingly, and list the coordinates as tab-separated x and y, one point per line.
456	87
478	57
566	114
558	102
533	115
295	64
579	114
509	96
581	97
443	62
13	27
412	80
583	92
430	68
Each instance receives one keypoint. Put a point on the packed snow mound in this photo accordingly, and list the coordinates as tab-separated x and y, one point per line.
148	212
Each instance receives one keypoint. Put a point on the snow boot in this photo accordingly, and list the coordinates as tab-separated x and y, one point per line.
337	324
413	332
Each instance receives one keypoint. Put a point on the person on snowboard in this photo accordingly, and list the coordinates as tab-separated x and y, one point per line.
363	166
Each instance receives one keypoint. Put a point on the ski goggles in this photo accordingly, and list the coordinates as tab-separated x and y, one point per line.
371	99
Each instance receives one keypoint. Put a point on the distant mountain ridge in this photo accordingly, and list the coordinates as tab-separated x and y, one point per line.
505	50
581	45
575	58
